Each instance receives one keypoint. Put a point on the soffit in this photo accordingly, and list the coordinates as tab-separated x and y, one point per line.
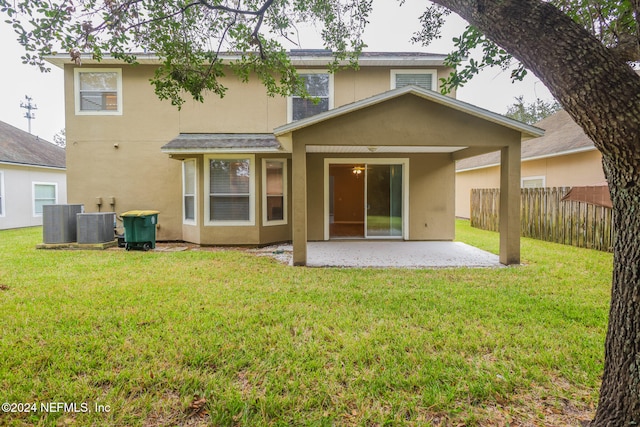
380	149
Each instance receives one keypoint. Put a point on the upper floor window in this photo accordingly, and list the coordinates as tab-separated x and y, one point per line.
44	194
426	79
98	90
319	85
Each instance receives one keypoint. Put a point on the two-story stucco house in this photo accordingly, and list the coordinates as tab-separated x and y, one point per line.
373	159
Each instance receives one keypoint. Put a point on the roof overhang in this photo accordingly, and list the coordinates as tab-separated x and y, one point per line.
531	158
31	165
309	59
526	130
380	149
203	143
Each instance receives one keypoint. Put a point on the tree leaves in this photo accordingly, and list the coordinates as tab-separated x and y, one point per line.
189	38
614	23
533	112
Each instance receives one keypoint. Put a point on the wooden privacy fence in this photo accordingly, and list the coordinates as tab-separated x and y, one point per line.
544	216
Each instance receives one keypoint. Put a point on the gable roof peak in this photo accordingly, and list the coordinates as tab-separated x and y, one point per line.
525	129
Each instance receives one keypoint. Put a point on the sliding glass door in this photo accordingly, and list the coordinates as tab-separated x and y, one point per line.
383	200
365	198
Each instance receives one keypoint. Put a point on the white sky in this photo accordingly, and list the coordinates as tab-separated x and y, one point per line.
390	29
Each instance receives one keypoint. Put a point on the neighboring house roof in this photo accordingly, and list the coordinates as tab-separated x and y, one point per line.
221	142
20	147
562	136
525	129
307	57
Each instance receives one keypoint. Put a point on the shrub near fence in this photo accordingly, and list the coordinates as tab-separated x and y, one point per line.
545	216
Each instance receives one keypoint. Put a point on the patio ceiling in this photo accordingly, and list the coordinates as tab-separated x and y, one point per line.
380	149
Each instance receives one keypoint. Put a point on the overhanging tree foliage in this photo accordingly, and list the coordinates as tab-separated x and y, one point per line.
581	51
189	37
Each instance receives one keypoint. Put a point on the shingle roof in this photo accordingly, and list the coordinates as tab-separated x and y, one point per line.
20	147
203	142
562	136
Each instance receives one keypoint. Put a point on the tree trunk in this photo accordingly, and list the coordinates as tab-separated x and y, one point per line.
602	94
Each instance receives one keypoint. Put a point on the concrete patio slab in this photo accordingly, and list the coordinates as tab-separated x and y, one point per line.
363	253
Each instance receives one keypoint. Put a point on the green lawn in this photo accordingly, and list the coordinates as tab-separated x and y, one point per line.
270	345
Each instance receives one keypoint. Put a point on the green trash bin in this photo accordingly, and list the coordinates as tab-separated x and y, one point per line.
140	229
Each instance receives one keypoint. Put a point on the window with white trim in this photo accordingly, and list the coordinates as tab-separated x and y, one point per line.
426	79
1	194
98	91
533	182
274	197
230	183
319	85
189	191
44	193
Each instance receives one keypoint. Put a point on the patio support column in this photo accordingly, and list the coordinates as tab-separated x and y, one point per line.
510	204
299	202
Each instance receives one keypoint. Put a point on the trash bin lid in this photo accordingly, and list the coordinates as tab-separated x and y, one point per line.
139	213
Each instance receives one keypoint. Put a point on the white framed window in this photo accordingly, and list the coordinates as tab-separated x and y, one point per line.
98	91
44	193
533	182
426	79
319	84
230	190
189	191
274	191
2	194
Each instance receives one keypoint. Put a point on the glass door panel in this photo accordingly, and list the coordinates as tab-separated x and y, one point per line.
384	200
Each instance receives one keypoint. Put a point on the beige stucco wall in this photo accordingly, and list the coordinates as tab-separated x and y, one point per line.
584	168
430	183
119	157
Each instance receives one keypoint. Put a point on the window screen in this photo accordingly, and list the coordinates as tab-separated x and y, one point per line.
98	91
423	80
318	86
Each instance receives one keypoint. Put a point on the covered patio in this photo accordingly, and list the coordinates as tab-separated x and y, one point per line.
404	143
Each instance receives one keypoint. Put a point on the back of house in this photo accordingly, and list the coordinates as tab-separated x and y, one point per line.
372	156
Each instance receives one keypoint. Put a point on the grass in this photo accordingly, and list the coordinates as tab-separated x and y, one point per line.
270	345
